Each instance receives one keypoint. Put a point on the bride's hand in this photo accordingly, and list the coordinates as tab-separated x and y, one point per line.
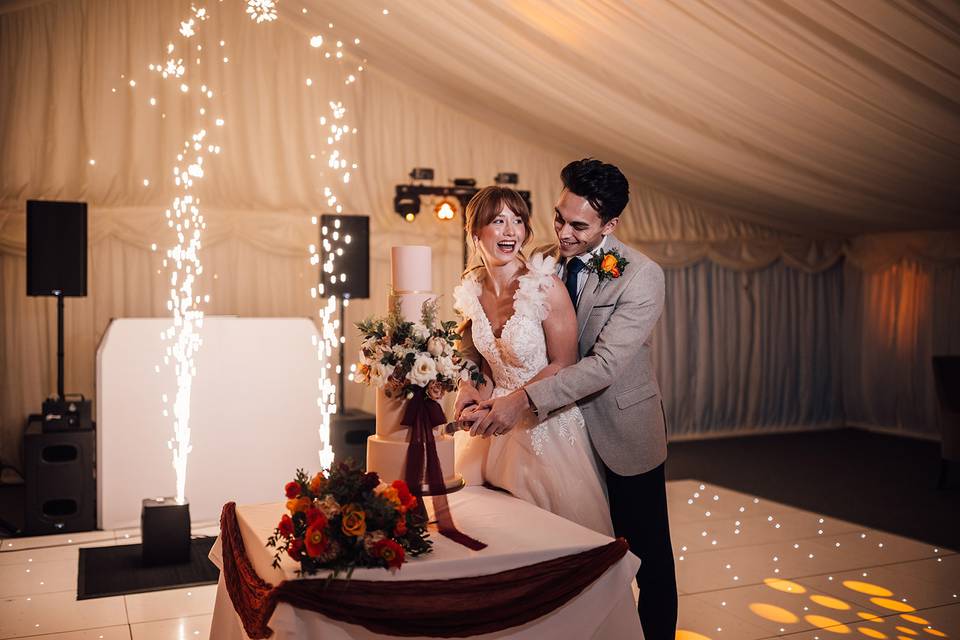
470	416
467	395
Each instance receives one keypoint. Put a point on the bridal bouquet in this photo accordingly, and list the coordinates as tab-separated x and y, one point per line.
403	357
348	519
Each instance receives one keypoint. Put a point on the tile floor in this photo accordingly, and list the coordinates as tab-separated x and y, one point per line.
747	569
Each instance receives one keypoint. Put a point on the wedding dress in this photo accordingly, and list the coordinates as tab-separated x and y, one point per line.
549	464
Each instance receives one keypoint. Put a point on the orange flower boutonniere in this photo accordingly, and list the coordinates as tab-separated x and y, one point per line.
608	265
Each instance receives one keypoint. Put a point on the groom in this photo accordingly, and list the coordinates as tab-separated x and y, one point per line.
618	294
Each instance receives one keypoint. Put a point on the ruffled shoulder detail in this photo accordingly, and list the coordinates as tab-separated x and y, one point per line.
531	297
542	264
466	298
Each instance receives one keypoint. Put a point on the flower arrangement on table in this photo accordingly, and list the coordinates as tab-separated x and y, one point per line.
347	520
403	357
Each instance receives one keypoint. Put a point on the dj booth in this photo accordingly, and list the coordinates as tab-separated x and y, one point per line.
254	417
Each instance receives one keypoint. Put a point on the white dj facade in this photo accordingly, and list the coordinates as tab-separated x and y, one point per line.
254	414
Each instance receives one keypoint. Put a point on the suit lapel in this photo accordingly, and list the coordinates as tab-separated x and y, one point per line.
591	290
588	298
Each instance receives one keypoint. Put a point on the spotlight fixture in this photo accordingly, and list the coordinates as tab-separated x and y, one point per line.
506	178
464	182
445	210
407	205
421	173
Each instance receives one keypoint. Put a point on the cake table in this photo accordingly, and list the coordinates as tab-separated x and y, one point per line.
518	534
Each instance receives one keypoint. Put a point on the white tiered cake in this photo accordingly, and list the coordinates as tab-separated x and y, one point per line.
412	284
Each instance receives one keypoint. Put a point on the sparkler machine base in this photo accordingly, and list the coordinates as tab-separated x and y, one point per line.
165	528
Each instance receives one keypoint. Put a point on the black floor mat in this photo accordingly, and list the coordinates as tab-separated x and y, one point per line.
115	571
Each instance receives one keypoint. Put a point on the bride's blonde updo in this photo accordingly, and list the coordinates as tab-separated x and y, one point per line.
487	204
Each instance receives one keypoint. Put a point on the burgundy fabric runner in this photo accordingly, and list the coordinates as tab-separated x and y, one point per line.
421	416
455	608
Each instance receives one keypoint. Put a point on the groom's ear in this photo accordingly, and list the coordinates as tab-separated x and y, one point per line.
610	226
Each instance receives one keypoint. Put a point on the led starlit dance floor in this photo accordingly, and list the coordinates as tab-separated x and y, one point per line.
749	568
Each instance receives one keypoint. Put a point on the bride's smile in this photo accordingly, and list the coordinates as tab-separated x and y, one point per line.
500	240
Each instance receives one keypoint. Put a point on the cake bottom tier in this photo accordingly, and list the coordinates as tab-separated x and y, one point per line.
387	458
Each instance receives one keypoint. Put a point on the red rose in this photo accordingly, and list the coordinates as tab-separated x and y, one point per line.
286	526
401	527
615	272
316	517
407	499
295	550
292	489
316	540
390	552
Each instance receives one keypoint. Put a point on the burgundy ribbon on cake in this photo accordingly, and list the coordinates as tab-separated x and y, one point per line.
421	415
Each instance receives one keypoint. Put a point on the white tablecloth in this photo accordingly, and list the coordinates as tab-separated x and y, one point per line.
518	534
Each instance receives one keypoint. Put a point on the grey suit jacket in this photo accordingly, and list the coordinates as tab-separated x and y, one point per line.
614	382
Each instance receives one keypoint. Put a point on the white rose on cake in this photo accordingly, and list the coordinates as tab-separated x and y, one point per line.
436	346
446	367
379	373
424	370
421	331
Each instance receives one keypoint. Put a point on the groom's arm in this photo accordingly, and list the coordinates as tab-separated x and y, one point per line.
629	326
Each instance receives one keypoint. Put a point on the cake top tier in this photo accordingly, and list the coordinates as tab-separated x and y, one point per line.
411	269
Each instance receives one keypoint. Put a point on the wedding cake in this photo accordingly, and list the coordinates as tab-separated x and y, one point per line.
411	287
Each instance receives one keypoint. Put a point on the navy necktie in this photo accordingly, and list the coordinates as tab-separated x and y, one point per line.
574	267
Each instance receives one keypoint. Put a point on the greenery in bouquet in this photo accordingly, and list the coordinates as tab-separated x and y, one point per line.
401	356
347	520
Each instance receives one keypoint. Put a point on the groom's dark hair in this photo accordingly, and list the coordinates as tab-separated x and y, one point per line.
602	185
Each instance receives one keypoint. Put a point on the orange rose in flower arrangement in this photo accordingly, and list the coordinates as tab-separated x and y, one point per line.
353	520
344	519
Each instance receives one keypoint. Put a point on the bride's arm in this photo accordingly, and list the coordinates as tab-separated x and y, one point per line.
559	329
467	391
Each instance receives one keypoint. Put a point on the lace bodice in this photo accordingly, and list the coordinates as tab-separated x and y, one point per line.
521	350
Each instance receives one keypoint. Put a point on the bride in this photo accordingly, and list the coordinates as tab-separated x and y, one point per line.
520	326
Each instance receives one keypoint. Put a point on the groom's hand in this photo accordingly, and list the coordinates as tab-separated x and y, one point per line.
503	414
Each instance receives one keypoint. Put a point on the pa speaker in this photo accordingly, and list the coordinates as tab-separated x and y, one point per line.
56	248
59	474
348	239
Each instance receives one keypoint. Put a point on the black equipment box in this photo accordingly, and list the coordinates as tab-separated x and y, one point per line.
60	475
66	414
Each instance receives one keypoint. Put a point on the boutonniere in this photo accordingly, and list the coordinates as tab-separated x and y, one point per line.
608	265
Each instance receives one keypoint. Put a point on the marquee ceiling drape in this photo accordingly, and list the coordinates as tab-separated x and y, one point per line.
816	117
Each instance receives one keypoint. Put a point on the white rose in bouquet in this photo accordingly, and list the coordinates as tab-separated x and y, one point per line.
446	367
436	346
424	370
379	373
420	331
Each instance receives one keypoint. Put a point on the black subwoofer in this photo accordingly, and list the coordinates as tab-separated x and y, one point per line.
60	478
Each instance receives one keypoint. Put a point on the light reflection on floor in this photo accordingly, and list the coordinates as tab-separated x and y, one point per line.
749	568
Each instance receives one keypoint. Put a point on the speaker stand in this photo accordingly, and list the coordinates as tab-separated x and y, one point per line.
59	296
